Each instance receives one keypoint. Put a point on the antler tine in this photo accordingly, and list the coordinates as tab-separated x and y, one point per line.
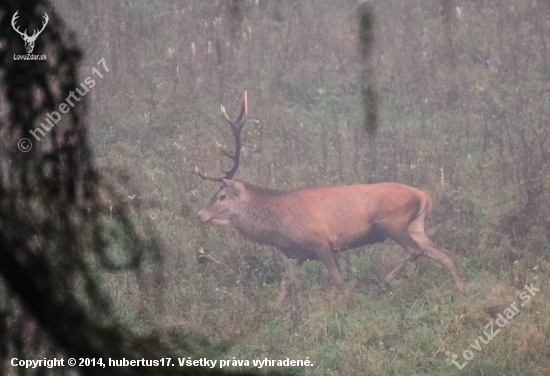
13	19
244	110
207	177
36	33
46	19
227	154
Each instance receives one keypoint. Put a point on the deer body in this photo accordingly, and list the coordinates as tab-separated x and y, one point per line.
317	224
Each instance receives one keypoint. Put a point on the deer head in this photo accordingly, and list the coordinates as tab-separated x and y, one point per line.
29	40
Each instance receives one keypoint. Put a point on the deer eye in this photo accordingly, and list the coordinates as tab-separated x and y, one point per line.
222	197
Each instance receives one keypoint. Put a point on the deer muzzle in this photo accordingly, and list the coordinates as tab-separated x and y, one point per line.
204	216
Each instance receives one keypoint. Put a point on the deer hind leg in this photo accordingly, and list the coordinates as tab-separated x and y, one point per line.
416	230
413	250
328	258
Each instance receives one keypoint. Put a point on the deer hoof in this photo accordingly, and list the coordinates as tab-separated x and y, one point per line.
384	287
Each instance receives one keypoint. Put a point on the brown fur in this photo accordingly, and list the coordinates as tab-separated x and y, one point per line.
316	224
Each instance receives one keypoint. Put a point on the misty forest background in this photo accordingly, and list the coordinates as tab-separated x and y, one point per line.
461	98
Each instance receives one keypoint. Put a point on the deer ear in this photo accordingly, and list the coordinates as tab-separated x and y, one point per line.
235	186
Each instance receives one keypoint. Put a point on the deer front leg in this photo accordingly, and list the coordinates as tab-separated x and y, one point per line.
328	258
283	286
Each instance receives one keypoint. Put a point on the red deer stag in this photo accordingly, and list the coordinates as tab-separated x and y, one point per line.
316	224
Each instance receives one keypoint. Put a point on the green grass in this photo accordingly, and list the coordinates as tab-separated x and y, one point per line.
470	134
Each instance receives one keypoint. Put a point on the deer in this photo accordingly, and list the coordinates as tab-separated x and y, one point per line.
319	223
29	40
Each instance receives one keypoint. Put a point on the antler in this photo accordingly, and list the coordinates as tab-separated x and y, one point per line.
236	127
35	34
15	16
